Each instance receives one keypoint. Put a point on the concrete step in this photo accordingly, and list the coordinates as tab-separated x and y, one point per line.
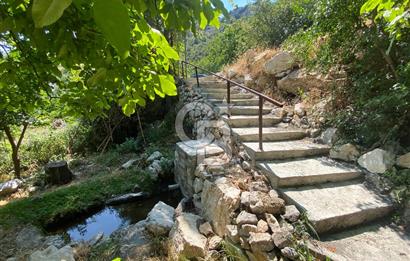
285	149
215	90
237	121
269	134
244	110
236	102
307	171
220	95
334	206
210	85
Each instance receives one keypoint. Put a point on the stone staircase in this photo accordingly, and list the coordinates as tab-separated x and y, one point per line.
332	193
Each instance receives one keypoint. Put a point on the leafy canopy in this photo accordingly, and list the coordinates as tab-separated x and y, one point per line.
91	54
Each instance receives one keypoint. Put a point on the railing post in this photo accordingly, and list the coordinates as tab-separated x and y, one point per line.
197	77
260	122
228	91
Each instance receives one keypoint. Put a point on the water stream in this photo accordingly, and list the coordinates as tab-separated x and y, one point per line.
110	218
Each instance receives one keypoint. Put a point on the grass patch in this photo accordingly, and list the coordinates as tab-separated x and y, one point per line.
51	206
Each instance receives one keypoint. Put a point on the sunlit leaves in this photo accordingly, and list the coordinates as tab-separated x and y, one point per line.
46	12
396	14
112	18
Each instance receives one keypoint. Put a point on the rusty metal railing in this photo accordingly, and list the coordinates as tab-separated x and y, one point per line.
229	84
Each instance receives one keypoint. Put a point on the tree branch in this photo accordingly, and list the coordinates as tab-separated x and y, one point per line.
10	137
25	125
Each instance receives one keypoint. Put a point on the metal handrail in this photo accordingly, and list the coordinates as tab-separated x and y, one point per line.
229	84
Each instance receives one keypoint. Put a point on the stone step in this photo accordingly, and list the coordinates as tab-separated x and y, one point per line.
334	206
221	95
307	171
236	102
269	134
215	90
285	149
237	121
210	85
244	110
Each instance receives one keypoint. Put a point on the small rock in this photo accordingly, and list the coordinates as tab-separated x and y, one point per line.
377	161
246	166
206	229
262	226
292	214
246	229
160	219
129	164
155	169
346	152
282	239
9	187
272	223
244	243
198	184
273	193
233	234
266	204
214	242
156	155
261	242
290	253
246	218
313	133
300	109
53	254
126	198
404	161
287	119
258	186
245	198
329	136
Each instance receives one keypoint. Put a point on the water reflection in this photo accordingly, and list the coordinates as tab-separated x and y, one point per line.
112	218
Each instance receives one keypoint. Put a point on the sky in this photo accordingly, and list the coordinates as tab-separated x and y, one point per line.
237	2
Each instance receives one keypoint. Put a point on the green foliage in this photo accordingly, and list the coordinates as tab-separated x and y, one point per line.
394	14
232	252
274	21
226	46
377	91
51	206
46	12
130	145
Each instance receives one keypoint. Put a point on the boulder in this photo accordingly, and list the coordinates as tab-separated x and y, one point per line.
156	155
261	242
246	218
231	73
185	238
219	200
245	198
53	254
160	219
206	229
9	187
258	186
282	239
292	214
404	161
58	173
280	62
377	161
300	80
346	152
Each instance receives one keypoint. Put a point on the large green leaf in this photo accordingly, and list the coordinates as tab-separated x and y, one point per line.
46	12
112	18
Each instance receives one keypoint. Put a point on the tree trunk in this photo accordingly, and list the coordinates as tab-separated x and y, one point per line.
15	148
